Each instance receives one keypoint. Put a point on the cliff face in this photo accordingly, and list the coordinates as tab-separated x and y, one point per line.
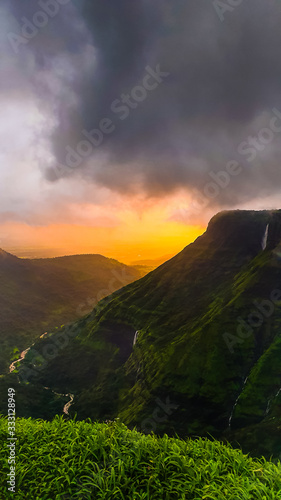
244	230
209	338
274	230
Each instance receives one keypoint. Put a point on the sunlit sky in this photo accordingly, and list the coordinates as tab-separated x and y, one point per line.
184	94
125	229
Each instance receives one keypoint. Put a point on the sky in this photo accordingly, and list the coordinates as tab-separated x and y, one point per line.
125	125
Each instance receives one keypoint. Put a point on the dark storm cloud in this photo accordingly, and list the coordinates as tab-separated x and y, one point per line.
224	80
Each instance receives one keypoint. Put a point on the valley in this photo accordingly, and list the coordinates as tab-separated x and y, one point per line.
37	295
187	348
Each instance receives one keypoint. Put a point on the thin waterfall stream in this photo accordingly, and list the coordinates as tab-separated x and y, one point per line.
265	238
135	338
270	401
236	402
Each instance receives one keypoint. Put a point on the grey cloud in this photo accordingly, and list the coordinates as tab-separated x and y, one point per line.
224	81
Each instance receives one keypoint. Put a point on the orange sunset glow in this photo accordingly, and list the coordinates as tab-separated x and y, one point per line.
109	146
125	233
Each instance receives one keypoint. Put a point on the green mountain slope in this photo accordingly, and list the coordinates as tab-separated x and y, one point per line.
196	355
39	294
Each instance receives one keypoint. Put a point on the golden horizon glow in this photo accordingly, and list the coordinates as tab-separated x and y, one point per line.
110	242
130	231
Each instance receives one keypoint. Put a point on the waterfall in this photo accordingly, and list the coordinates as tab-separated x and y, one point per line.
265	238
269	403
236	402
135	338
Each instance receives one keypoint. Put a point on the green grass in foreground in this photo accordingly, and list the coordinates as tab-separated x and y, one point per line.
65	460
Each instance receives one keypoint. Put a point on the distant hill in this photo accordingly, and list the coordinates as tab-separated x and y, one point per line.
40	294
152	263
208	340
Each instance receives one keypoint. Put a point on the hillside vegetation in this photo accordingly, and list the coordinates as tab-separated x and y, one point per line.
62	460
37	295
191	349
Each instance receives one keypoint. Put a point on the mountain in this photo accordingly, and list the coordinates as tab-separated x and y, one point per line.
150	264
206	355
40	294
